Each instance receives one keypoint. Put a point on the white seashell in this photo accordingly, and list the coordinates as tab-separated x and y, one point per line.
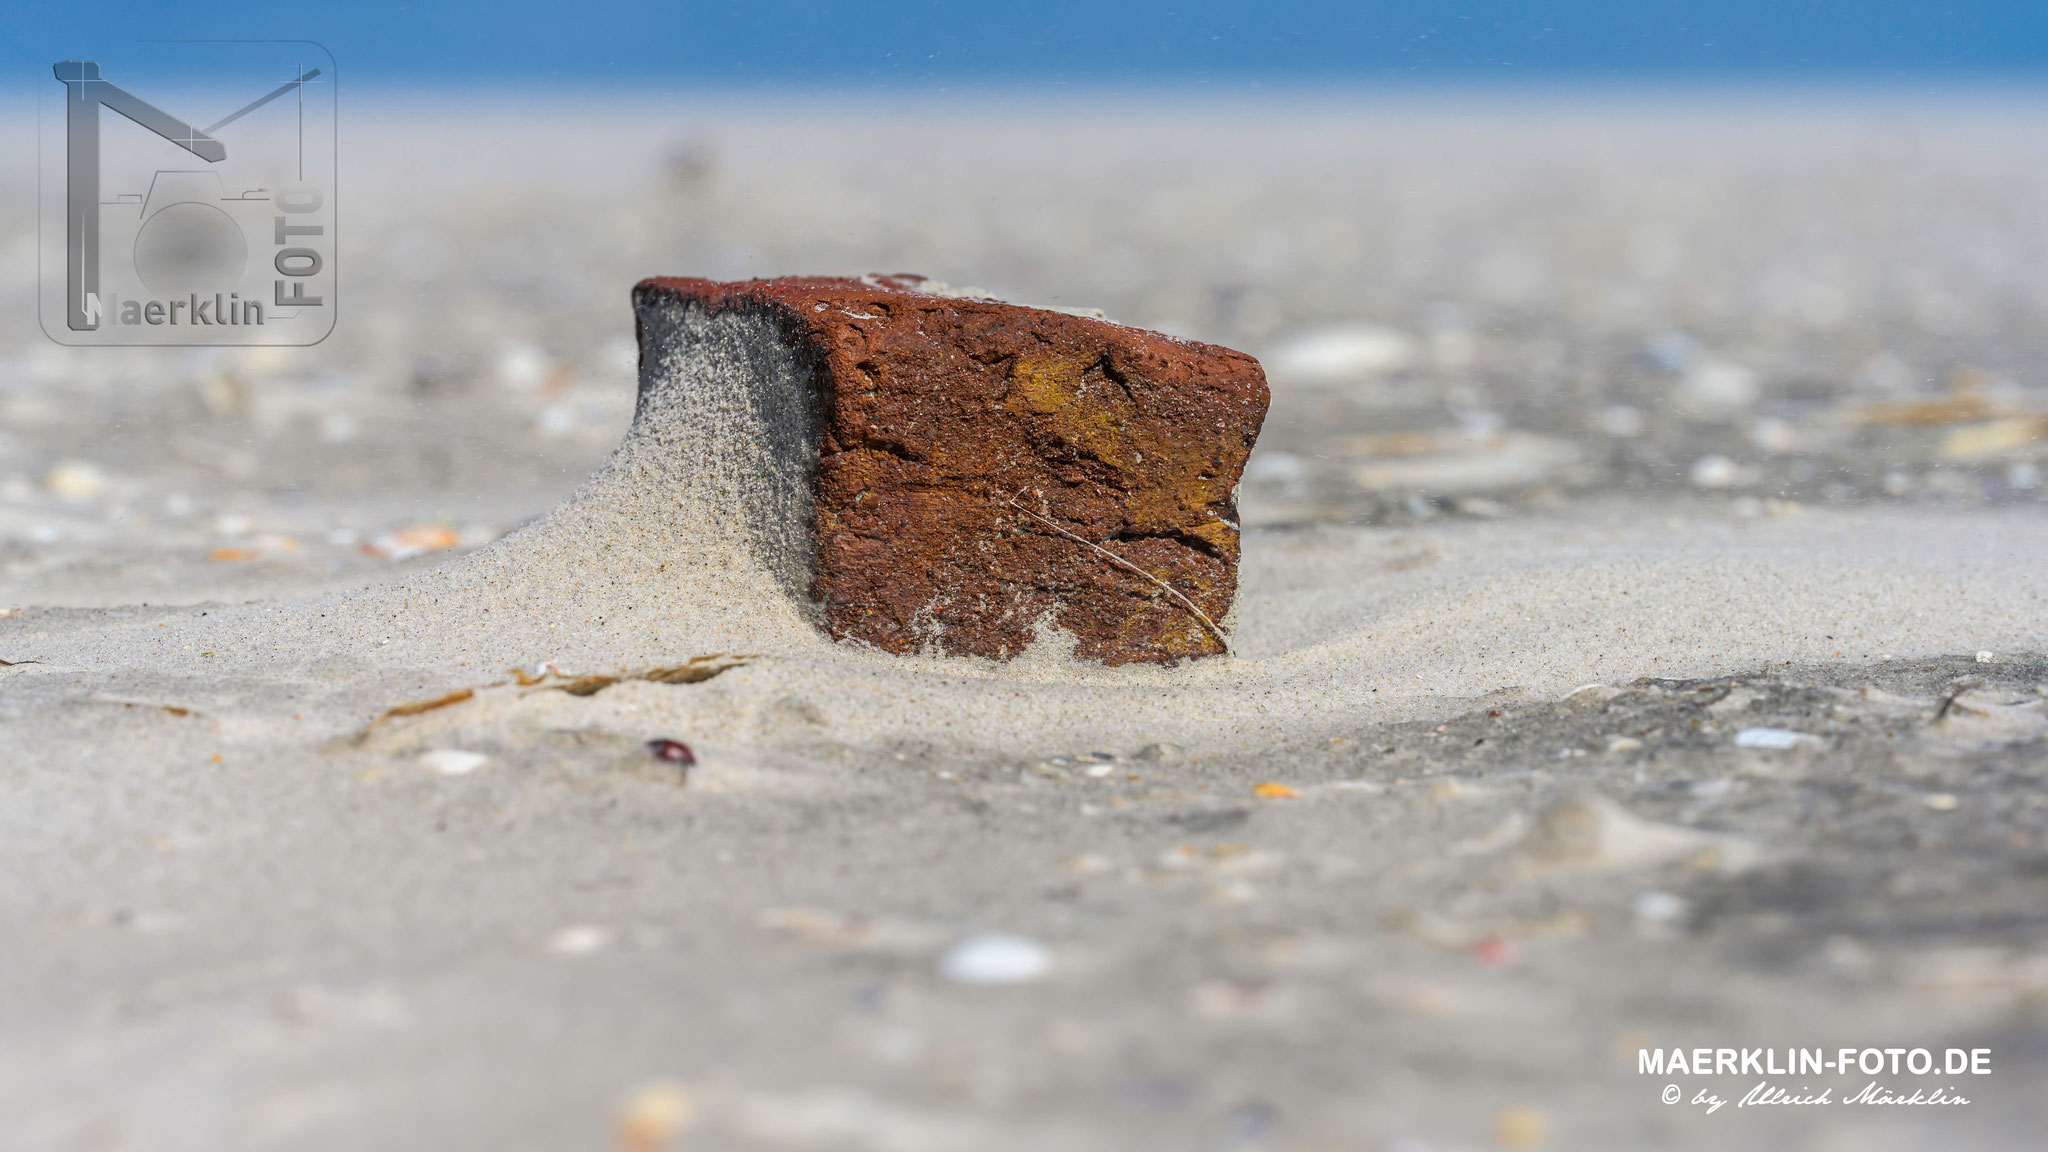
452	761
995	958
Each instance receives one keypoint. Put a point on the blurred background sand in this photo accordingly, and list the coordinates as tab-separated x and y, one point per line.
1467	308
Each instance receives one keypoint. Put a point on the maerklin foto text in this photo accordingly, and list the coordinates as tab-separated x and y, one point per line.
220	308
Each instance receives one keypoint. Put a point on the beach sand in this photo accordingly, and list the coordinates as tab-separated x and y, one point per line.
1641	645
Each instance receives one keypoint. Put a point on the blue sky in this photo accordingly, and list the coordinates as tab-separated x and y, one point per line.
784	44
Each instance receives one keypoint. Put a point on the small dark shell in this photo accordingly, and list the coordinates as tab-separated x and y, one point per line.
672	752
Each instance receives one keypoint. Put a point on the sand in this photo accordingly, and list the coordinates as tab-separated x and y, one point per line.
276	880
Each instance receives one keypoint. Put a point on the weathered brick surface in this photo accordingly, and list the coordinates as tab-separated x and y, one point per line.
963	439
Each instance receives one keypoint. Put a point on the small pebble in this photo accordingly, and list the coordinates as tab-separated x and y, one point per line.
1519	1128
995	958
410	541
1496	952
1272	791
1775	739
452	761
522	368
1655	909
653	1116
1716	472
1445	789
1589	831
1717	384
579	940
1941	801
672	752
1233	892
1098	771
1087	863
1340	352
1984	657
77	481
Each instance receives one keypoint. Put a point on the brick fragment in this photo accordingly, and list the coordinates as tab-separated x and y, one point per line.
983	467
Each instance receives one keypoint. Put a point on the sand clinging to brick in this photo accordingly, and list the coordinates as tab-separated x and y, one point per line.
694	535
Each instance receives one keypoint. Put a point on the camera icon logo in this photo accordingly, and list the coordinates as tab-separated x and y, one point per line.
155	230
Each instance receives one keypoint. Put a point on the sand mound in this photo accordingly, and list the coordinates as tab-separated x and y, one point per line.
689	544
